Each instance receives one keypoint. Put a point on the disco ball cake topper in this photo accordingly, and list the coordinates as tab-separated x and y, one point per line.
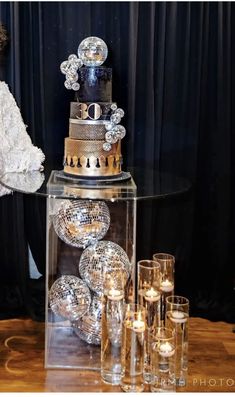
92	51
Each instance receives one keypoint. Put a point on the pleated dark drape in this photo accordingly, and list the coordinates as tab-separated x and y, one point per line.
173	74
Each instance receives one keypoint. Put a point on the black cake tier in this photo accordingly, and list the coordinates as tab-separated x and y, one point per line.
95	84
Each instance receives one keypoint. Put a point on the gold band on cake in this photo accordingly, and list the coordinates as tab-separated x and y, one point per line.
88	158
76	147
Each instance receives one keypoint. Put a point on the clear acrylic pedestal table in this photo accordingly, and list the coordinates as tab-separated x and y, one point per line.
64	346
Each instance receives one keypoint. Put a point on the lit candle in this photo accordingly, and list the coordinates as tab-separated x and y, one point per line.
178	317
167	286
138	326
152	295
166	349
115	294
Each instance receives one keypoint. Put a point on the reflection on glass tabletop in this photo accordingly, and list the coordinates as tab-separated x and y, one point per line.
136	183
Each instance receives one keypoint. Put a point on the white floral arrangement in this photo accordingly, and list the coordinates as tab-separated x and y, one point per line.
17	153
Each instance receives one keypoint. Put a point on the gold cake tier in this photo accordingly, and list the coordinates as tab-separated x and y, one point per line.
87	158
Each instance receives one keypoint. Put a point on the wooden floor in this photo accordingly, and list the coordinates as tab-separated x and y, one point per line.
211	361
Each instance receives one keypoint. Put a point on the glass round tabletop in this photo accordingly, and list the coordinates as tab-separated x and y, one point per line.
136	183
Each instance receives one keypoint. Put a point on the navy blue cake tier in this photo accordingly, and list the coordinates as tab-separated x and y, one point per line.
95	84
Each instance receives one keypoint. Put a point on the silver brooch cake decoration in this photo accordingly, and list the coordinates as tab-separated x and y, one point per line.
115	131
70	68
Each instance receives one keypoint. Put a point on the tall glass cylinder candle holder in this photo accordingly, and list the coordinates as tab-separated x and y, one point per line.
111	329
149	296
167	282
133	336
163	360
177	314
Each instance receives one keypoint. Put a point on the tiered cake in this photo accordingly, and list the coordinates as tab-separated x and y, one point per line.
93	148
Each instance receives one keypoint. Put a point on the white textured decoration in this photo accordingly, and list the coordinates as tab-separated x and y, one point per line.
17	153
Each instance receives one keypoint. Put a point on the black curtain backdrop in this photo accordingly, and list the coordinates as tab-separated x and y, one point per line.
173	74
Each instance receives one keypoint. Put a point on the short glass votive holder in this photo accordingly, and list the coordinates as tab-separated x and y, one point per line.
177	314
163	360
133	336
149	296
111	326
167	282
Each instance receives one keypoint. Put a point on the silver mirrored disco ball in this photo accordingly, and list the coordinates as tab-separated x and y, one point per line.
81	222
99	257
93	51
96	306
88	328
69	297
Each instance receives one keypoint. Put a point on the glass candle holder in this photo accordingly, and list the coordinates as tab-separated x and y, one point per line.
167	282
133	336
177	314
163	360
149	297
111	329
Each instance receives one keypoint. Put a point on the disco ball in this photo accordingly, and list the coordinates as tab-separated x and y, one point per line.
93	51
96	306
97	258
69	297
81	222
88	328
